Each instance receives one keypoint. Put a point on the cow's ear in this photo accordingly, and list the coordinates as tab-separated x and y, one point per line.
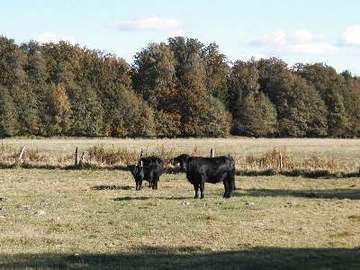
133	170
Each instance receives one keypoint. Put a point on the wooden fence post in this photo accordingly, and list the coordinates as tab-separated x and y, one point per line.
76	156
81	161
19	160
281	161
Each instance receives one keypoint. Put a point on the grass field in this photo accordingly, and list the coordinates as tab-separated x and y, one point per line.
333	148
94	219
324	156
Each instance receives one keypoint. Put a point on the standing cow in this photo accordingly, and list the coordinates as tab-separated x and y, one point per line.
148	168
213	170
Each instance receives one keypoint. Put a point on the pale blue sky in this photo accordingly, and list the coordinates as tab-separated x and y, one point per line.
296	31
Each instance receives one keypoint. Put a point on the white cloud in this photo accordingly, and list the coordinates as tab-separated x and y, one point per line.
277	38
48	37
305	37
313	48
351	35
177	33
301	41
153	23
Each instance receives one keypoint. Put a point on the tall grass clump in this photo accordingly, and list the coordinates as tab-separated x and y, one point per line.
34	156
8	154
274	159
100	155
111	156
280	160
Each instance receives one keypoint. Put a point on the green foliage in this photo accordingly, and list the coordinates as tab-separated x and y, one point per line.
130	116
10	64
60	112
257	116
177	88
330	86
155	80
9	125
216	121
87	116
178	81
217	71
154	76
301	111
167	124
243	81
27	110
352	105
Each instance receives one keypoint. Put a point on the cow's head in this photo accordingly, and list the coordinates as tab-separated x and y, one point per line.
136	171
182	160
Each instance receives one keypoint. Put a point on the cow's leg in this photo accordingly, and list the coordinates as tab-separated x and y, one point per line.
151	181
138	185
156	182
154	185
226	187
202	186
196	188
232	187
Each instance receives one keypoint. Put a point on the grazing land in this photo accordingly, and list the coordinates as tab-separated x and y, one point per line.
92	219
335	148
291	156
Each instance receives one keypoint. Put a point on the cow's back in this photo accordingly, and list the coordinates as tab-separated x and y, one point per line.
213	169
151	161
153	167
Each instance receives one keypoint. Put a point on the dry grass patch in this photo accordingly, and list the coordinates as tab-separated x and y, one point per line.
307	157
96	219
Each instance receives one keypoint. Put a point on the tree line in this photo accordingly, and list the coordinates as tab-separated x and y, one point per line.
178	88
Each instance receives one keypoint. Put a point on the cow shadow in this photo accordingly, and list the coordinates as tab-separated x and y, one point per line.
143	198
189	257
351	194
111	187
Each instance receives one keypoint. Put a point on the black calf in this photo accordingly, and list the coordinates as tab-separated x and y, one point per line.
148	168
138	174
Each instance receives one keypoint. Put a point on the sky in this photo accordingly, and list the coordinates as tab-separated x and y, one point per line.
304	31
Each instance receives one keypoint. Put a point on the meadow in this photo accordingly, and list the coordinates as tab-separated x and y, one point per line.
326	156
94	219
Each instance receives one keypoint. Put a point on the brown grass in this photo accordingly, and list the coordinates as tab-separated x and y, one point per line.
59	219
111	156
318	157
279	160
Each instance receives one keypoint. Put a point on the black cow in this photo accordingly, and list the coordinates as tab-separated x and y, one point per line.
138	174
149	169
213	170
